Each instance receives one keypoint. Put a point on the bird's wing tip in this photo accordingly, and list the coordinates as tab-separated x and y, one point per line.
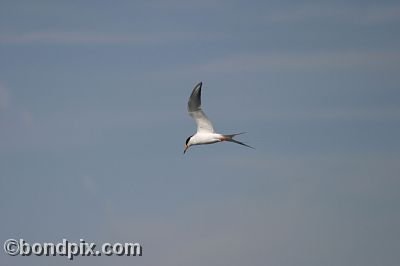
199	85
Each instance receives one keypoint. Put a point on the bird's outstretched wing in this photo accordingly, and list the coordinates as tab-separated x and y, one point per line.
195	111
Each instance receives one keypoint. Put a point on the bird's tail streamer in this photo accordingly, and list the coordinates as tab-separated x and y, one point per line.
230	138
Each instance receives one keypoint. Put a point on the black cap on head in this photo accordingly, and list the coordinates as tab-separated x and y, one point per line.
187	140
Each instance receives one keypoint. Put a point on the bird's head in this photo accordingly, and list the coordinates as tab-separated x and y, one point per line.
187	143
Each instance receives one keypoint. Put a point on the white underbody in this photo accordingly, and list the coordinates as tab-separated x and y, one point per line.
205	138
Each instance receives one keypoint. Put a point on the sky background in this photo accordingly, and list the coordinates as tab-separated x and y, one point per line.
93	120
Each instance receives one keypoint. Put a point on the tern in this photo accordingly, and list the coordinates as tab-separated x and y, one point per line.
205	131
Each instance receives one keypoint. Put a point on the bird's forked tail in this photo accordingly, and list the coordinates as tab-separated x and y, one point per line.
230	139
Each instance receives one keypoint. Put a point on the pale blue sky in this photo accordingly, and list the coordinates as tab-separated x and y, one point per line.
93	120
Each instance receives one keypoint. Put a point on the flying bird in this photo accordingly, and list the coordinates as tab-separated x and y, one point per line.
205	131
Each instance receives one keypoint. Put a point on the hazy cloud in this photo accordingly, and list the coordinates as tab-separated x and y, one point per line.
89	185
302	61
78	37
273	62
14	115
4	98
367	114
366	15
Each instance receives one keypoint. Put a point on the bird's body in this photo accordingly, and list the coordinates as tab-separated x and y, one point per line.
205	131
205	138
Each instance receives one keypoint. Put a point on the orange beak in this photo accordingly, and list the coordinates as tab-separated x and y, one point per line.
186	148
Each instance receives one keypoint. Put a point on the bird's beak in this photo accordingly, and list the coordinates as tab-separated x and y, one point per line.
186	147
